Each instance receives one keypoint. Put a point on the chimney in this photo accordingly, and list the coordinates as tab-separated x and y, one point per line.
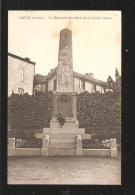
90	75
27	59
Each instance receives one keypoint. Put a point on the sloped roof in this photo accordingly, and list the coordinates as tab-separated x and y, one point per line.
89	79
38	78
22	59
41	78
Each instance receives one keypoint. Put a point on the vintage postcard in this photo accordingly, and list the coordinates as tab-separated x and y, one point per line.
64	97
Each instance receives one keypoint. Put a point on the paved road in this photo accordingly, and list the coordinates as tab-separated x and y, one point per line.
64	170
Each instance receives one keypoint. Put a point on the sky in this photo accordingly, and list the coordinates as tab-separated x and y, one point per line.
96	39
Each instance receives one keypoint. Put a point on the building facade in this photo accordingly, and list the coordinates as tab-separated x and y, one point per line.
81	82
21	73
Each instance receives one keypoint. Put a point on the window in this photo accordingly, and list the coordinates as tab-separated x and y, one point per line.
55	84
83	82
79	84
36	91
95	87
21	74
104	89
20	91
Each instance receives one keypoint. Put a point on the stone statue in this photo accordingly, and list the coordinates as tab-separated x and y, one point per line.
64	77
64	71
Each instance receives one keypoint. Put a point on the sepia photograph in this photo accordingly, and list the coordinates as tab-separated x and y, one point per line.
64	97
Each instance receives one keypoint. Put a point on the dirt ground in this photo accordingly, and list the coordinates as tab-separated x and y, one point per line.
64	170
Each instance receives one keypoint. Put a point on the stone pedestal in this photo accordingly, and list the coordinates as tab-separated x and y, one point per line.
63	140
79	149
11	146
113	148
64	103
45	145
11	143
66	99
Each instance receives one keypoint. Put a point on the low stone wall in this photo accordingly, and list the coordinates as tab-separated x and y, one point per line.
44	151
37	152
97	152
13	151
24	152
90	152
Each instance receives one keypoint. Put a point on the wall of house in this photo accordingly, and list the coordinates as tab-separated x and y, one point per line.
23	81
43	87
40	87
37	87
89	87
78	85
51	84
99	88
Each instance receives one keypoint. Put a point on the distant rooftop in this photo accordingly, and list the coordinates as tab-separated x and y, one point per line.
41	78
26	59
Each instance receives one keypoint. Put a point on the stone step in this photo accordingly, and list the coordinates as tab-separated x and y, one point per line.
61	145
68	120
70	135
63	139
63	135
56	135
62	152
55	124
71	124
64	130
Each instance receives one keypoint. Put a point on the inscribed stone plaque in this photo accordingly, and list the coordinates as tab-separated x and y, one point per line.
64	105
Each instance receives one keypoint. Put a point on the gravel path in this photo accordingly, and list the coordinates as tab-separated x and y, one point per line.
64	170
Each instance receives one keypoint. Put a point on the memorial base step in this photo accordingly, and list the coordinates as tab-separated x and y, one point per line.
62	152
65	139
62	145
64	130
69	124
